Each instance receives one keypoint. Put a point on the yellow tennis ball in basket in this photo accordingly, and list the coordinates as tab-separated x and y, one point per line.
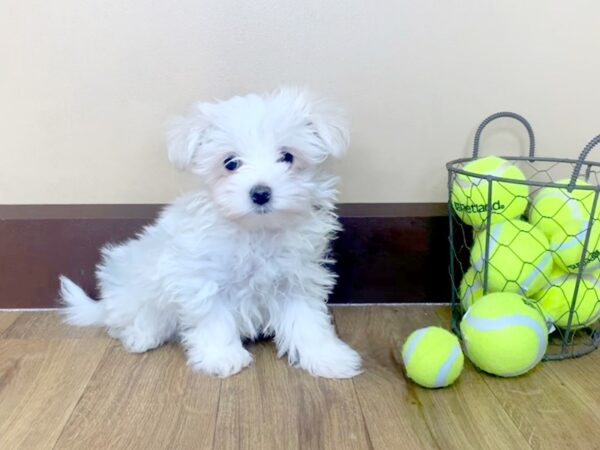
504	334
519	257
556	299
432	357
471	288
567	244
469	196
554	206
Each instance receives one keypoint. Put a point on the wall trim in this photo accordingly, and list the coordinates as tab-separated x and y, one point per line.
151	210
388	253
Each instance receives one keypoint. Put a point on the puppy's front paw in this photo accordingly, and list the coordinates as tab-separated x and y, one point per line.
222	362
135	340
333	359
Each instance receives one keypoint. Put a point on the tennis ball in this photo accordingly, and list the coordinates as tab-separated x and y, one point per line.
504	334
519	257
471	288
553	206
557	299
567	244
432	357
469	197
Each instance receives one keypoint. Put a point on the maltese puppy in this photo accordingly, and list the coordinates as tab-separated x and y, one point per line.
246	255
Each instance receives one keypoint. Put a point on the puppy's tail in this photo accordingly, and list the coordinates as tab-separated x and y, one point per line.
78	308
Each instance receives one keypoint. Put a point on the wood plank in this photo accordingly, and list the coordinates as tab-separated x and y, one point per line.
398	412
546	411
49	325
75	388
40	384
543	407
149	400
256	407
7	318
580	376
273	406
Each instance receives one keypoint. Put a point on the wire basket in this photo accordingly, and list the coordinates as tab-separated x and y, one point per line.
529	225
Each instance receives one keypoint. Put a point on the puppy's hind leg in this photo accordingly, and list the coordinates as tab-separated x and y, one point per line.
150	328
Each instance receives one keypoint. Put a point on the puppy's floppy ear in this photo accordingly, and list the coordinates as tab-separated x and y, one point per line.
185	135
330	125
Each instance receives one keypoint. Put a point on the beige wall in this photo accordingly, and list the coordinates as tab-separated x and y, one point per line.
86	85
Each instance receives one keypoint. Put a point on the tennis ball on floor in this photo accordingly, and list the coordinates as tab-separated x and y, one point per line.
556	299
504	334
567	244
471	288
553	206
432	357
519	257
469	197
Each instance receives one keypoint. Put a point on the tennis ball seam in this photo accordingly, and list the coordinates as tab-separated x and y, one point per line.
441	378
471	291
415	338
582	303
536	268
573	204
553	205
443	373
535	272
568	243
483	324
575	239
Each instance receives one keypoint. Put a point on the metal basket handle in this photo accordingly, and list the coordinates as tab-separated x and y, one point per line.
497	116
582	156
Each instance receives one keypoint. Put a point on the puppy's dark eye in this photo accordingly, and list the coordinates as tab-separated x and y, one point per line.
286	157
232	163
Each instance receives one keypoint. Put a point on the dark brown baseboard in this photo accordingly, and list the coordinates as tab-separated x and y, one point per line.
387	253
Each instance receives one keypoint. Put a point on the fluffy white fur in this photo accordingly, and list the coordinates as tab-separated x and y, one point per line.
216	268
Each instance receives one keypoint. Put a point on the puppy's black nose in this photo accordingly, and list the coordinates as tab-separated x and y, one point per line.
260	194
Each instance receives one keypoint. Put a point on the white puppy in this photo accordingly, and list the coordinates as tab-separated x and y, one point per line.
245	255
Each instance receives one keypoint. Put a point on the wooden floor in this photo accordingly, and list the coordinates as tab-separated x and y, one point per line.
64	388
